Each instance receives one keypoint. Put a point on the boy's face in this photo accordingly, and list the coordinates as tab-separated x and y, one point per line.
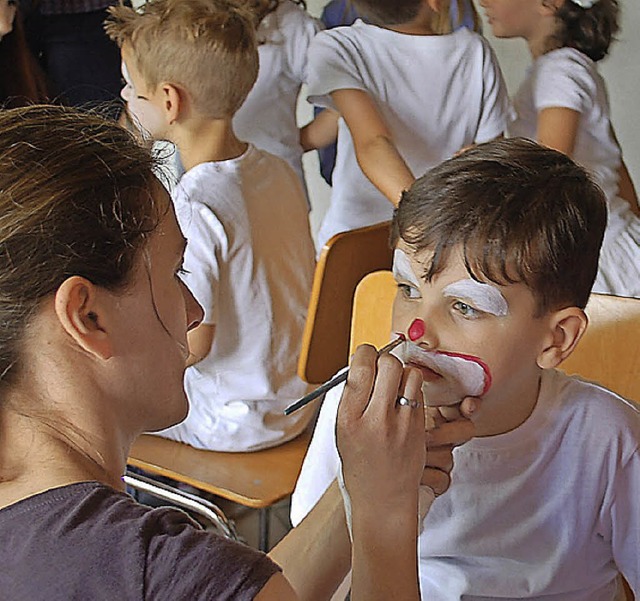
142	103
492	326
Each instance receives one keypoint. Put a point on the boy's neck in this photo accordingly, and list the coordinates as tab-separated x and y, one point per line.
499	416
207	140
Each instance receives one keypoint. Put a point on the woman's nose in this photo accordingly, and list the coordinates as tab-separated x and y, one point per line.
195	313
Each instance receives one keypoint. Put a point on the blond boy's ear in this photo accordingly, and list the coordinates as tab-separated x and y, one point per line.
173	101
566	328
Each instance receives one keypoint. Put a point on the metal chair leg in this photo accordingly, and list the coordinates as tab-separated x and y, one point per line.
202	507
264	517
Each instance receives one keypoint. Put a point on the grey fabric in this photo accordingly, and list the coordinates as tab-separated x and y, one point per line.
87	541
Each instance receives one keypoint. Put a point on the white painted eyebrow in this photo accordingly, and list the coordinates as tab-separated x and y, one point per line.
484	297
402	269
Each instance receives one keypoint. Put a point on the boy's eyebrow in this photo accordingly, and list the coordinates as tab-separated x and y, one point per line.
484	297
402	269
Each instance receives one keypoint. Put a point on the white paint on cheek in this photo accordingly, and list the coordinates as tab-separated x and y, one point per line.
484	297
402	270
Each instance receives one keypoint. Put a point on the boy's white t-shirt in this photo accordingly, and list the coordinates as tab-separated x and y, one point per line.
436	93
267	118
250	260
548	511
566	78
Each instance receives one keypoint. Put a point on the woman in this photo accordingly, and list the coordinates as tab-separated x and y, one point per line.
92	353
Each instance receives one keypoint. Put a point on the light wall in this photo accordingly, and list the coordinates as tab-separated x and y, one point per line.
621	71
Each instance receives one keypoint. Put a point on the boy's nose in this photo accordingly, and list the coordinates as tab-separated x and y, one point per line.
416	330
419	332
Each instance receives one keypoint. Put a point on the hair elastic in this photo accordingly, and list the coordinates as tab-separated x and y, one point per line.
584	3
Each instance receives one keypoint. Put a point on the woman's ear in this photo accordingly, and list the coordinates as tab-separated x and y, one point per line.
566	328
82	317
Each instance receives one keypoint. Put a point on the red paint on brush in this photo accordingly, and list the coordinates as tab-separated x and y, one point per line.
416	330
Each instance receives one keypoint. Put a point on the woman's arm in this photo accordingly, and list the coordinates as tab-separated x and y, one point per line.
385	455
376	152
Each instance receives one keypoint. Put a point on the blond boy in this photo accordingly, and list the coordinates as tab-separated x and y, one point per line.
188	66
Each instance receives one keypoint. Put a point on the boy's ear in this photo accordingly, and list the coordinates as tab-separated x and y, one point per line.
566	328
173	101
82	317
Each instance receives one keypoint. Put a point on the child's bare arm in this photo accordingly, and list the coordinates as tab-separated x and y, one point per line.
320	132
376	152
626	189
558	128
200	341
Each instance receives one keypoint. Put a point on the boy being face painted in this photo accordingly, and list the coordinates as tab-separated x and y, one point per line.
468	338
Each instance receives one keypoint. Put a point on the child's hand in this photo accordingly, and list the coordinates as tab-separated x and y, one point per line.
447	427
381	443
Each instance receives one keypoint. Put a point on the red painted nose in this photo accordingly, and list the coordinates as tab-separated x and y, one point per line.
416	330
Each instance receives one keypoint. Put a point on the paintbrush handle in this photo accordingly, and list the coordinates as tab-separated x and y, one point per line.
312	396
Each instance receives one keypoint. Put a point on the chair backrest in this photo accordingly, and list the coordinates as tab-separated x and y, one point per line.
609	352
344	261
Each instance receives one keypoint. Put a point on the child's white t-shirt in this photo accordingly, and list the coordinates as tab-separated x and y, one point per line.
436	93
267	118
250	260
548	511
567	78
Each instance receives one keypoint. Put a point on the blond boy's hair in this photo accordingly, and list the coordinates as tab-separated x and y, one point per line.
207	47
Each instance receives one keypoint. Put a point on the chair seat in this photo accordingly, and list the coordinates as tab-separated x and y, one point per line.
256	480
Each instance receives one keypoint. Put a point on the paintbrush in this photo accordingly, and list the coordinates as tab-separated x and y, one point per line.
312	396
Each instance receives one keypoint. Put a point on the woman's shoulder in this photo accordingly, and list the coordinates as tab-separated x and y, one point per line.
116	544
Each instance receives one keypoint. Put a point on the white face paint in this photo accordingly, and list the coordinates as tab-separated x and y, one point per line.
483	297
402	270
460	375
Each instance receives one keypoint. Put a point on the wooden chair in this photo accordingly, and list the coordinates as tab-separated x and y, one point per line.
343	262
257	480
609	352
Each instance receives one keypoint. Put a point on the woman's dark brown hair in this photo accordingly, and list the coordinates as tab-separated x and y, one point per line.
75	199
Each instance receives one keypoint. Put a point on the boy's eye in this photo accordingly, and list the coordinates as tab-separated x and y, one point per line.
408	291
466	310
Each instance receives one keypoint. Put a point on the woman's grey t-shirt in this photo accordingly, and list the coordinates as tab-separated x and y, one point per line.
87	541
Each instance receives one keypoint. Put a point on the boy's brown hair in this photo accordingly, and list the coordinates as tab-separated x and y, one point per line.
521	213
208	47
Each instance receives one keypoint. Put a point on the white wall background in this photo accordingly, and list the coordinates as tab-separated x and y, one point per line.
621	71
